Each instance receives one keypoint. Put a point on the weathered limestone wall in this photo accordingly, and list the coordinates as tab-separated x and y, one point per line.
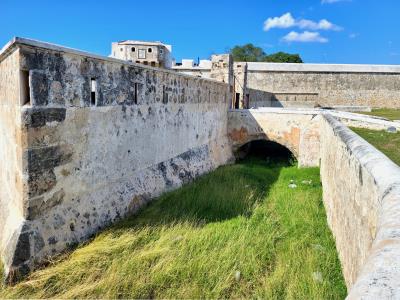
11	177
310	85
299	132
361	193
90	164
307	87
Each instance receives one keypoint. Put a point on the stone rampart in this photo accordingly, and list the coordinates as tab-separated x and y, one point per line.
101	137
87	140
327	85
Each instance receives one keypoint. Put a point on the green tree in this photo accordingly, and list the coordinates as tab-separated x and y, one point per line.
283	57
249	52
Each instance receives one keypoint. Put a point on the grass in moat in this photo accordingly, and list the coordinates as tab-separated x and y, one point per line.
386	142
238	232
391	114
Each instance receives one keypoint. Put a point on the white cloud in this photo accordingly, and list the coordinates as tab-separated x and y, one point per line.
333	1
353	35
321	25
304	37
287	21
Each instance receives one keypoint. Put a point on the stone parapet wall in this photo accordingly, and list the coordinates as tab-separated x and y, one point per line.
94	153
361	193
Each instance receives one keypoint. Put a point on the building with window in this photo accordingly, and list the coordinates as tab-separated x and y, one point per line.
155	54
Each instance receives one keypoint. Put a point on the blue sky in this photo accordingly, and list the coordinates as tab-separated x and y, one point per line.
337	31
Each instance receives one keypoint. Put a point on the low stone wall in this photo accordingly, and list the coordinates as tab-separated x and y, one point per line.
361	193
101	138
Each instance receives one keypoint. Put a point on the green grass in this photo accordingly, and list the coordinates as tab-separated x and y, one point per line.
388	143
391	114
238	232
2	279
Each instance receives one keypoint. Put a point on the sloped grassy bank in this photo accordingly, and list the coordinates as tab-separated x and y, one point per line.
386	142
239	231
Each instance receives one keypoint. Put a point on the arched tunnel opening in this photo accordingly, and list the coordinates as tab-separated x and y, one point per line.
266	150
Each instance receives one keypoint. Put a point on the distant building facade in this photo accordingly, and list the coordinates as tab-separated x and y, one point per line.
155	54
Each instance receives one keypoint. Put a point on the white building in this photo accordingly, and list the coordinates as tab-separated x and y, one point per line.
155	54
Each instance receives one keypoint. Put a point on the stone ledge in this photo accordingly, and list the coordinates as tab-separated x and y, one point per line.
323	68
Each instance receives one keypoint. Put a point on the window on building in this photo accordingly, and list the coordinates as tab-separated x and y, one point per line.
121	49
133	49
161	51
153	63
237	100
150	50
141	53
25	89
93	92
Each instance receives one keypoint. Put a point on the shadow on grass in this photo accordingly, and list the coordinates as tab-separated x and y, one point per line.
226	193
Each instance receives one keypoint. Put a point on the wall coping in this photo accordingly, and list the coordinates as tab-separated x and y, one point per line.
308	68
342	115
18	41
378	277
322	68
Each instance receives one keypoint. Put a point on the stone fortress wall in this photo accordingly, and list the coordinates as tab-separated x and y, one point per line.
327	85
95	139
87	140
311	85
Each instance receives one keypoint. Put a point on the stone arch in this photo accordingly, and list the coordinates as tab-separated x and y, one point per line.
297	131
289	140
264	148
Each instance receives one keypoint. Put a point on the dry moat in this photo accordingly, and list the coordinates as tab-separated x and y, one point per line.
254	229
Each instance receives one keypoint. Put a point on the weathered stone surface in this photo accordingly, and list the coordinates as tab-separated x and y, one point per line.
71	165
39	84
261	84
11	176
328	88
38	117
37	206
296	130
361	195
85	164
